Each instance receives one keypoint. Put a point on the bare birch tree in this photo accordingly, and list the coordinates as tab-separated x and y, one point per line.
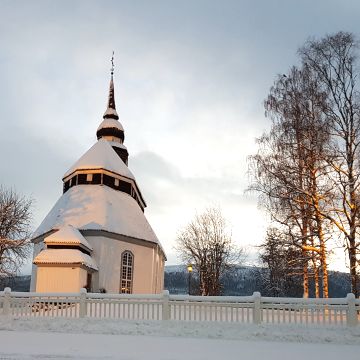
333	59
206	244
15	219
290	164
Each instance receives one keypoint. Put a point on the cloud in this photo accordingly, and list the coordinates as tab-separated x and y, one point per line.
190	79
173	199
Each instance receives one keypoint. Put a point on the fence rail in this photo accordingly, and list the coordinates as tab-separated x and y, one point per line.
240	309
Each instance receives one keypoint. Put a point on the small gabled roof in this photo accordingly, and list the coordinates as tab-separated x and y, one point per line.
101	156
65	256
67	235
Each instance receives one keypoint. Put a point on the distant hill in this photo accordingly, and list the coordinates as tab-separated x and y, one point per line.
243	281
16	283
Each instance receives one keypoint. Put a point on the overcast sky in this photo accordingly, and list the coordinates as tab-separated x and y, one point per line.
190	80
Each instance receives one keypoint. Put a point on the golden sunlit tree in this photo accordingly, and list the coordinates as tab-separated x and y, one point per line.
290	167
334	61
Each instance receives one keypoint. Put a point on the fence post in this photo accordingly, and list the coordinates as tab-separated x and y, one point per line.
82	303
6	301
257	308
351	314
166	305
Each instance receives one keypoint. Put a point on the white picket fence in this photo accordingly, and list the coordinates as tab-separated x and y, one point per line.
240	309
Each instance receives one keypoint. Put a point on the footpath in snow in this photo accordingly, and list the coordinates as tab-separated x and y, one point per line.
109	339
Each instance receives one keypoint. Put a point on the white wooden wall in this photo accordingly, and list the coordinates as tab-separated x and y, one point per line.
60	279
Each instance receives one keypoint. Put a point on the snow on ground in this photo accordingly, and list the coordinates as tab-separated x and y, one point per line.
117	339
16	345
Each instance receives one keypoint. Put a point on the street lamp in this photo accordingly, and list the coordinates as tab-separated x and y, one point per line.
189	269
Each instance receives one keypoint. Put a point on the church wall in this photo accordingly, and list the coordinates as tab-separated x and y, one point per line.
147	276
37	248
160	266
60	278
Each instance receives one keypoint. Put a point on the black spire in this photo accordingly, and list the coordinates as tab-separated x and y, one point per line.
110	112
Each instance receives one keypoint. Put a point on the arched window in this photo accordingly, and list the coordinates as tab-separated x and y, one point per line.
127	266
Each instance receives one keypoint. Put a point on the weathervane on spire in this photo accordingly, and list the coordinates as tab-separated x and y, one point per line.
112	64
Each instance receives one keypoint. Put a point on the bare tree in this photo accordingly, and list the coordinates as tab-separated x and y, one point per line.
289	168
208	246
15	219
333	59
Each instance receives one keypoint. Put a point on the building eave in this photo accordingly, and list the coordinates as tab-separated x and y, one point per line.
100	232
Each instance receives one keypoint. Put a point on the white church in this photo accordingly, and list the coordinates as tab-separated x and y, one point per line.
96	236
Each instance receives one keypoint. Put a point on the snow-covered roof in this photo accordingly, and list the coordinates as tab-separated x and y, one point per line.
101	156
65	256
110	123
67	234
96	207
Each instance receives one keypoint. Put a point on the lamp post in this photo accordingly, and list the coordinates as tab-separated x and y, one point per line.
189	269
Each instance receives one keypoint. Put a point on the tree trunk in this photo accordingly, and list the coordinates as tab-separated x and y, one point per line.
322	252
304	232
353	267
316	278
323	260
305	276
352	222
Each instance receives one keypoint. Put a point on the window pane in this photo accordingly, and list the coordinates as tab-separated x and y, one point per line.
126	273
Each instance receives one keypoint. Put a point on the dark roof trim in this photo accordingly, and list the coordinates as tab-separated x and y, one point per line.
112	172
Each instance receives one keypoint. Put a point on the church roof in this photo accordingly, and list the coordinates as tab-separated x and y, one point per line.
98	207
101	156
67	235
111	107
65	256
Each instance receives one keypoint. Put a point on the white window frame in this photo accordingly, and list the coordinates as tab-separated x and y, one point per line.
126	272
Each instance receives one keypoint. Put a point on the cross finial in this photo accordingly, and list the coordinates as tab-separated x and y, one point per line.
112	64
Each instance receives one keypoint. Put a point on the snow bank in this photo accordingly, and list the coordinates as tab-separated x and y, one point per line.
97	339
24	345
248	332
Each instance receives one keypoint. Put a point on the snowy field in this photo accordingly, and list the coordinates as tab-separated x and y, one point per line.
151	340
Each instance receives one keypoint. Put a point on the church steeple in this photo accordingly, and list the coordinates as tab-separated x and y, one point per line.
110	129
110	112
